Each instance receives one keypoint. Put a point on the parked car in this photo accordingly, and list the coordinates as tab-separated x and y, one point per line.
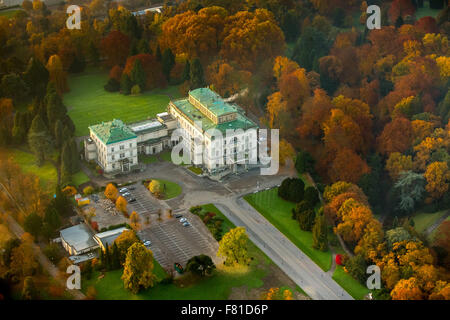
178	216
126	194
131	200
182	220
147	243
186	224
123	190
131	188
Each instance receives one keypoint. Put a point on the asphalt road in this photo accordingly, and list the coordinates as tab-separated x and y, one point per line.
297	265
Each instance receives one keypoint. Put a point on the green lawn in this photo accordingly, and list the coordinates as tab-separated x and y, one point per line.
279	213
88	103
79	178
424	220
147	159
172	189
9	13
46	173
352	286
196	170
426	11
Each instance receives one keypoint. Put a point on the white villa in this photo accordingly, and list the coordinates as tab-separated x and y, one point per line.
115	146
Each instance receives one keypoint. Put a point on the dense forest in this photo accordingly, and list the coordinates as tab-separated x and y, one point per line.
365	112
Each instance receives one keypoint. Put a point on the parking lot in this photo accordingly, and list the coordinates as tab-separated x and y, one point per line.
145	203
172	242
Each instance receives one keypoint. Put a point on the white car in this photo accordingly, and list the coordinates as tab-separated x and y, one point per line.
186	224
147	243
123	190
182	220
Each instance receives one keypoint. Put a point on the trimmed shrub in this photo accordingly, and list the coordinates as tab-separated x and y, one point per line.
292	189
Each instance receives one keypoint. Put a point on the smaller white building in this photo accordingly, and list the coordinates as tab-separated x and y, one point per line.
107	238
115	146
78	240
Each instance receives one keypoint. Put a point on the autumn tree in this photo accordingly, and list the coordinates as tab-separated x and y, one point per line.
125	240
135	220
121	204
407	289
151	71
438	179
155	187
226	79
111	192
23	260
347	166
277	294
250	38
116	47
398	163
57	74
138	268
401	8
233	247
198	35
396	136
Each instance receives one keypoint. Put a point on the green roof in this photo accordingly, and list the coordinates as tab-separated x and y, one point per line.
192	113
212	101
112	131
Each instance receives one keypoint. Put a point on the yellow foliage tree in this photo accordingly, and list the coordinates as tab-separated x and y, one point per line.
57	74
397	163
135	220
233	247
407	290
121	204
138	268
111	192
155	187
438	177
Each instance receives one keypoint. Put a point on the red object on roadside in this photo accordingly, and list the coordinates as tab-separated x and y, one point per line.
339	259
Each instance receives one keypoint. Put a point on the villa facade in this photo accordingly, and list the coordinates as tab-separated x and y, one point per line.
199	120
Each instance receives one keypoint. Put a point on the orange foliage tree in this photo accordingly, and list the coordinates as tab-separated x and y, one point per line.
396	136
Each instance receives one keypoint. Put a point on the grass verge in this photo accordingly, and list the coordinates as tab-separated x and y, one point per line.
279	213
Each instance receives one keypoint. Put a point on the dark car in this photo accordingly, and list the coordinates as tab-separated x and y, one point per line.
131	200
178	216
